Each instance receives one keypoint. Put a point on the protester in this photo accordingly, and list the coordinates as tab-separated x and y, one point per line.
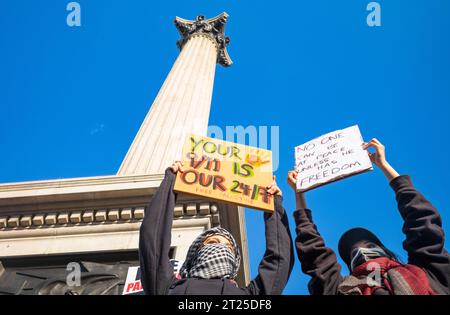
375	270
213	259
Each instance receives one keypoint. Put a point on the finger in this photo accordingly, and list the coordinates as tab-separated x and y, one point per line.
173	168
291	178
377	146
293	175
376	141
369	144
179	167
374	145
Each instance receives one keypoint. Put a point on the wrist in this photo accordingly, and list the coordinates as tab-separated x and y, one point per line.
300	200
389	171
384	165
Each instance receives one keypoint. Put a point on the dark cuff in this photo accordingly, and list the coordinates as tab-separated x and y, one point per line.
400	182
278	200
302	216
278	204
169	173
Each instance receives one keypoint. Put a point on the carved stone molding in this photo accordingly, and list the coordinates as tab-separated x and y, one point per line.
185	210
213	28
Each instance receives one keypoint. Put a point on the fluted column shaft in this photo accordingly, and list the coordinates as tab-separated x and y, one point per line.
181	107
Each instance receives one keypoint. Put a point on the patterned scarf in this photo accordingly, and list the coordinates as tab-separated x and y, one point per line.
212	261
395	279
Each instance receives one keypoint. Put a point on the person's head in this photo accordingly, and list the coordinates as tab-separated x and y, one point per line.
219	239
358	245
213	254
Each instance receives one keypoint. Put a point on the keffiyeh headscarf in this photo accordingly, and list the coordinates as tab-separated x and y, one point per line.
212	261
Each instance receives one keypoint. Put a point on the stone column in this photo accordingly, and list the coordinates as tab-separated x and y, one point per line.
183	103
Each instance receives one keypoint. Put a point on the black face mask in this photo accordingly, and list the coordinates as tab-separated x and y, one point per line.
364	254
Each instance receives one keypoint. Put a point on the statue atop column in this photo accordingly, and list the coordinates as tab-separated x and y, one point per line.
214	28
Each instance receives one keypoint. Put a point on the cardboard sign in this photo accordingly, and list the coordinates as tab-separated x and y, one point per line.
226	171
331	157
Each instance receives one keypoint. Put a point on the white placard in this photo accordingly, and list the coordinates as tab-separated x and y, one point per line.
331	157
133	285
133	282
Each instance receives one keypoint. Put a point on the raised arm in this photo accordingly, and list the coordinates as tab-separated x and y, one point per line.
276	266
422	223
317	260
155	238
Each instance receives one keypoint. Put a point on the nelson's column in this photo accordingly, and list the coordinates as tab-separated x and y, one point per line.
94	221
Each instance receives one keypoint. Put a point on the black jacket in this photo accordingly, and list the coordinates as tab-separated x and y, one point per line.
157	271
424	243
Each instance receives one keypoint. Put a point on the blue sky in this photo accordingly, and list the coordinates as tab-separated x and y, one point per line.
72	99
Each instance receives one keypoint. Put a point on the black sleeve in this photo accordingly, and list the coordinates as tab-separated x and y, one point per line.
423	229
155	237
317	260
276	266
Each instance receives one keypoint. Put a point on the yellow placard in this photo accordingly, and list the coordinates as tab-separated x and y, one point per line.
226	171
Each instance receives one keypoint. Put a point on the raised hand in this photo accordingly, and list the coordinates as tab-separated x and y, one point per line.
292	179
177	166
300	200
379	158
273	188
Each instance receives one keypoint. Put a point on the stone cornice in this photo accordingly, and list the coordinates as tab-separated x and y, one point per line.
38	193
87	201
67	218
90	230
214	28
79	182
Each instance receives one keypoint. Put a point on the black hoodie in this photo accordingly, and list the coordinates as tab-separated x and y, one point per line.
156	269
424	243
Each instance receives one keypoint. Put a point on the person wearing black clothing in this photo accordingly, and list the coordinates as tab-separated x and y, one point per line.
213	258
374	269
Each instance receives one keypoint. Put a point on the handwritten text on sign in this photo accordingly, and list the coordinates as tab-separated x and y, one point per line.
226	171
331	157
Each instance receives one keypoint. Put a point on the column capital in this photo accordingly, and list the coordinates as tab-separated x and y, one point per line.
214	28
